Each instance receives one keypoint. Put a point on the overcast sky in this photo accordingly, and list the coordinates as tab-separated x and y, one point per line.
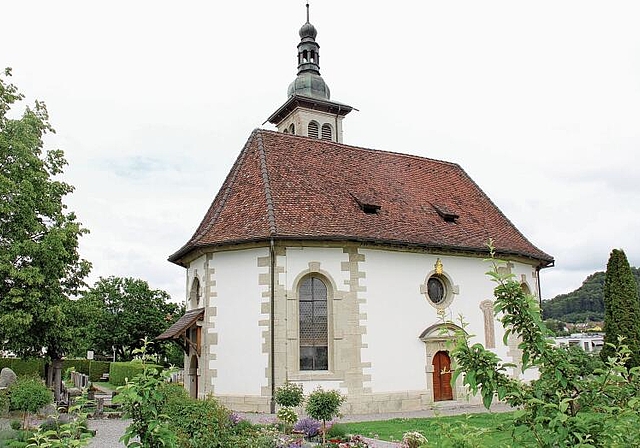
152	102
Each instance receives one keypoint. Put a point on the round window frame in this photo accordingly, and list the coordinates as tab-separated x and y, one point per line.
443	286
447	284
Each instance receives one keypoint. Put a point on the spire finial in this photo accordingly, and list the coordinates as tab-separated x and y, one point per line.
307	12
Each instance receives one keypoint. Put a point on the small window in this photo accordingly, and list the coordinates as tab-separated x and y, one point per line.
327	132
436	290
292	129
313	129
194	294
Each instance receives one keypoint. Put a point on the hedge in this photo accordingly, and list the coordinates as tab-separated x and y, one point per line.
35	366
98	368
120	371
21	367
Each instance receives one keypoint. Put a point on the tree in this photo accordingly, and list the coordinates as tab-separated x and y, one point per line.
121	312
40	267
622	308
570	404
324	405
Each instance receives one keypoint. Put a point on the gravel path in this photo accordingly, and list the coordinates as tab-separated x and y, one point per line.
108	432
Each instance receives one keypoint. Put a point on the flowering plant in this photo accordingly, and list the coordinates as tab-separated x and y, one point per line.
413	439
308	426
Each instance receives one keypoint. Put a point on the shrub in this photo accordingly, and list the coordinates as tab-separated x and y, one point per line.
143	401
310	427
200	423
413	439
289	394
336	430
28	394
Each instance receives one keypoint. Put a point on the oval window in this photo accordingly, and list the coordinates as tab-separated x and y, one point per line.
435	290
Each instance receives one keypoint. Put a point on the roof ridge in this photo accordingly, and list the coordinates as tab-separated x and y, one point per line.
267	185
359	148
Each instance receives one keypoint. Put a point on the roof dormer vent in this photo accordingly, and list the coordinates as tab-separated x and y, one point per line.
445	213
367	204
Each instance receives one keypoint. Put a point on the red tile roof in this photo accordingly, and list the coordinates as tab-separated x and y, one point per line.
284	186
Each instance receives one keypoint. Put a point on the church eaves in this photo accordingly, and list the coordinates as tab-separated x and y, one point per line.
289	187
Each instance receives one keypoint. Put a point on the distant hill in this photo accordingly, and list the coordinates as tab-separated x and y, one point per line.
584	304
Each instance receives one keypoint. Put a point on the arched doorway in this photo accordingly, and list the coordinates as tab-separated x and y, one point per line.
193	377
442	390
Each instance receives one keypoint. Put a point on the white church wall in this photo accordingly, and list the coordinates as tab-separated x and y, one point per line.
330	259
239	362
397	313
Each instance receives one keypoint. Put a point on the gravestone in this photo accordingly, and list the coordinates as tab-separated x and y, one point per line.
7	377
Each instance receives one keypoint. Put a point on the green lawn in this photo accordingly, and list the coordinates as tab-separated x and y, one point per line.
485	430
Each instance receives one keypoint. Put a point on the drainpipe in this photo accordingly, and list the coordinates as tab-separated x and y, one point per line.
272	296
539	290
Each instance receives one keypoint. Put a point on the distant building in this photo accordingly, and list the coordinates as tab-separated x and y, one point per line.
338	266
589	342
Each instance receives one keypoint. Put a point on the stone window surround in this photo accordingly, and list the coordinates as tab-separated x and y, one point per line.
451	290
293	338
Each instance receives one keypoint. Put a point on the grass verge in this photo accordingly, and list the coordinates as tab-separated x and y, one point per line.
480	430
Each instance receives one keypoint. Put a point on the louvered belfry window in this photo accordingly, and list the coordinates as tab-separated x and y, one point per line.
313	129
314	353
327	134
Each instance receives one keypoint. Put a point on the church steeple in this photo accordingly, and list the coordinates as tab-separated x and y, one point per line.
308	48
309	82
308	110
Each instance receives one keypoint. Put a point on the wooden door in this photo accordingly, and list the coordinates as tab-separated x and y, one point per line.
442	390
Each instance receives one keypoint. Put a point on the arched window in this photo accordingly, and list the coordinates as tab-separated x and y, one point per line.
194	294
314	346
292	129
327	132
313	129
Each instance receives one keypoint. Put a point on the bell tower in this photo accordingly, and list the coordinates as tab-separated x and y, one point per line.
309	110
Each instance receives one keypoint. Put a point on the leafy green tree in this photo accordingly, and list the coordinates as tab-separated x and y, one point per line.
40	267
121	312
324	405
622	308
570	404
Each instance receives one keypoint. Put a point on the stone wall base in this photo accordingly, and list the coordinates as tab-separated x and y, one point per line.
246	403
407	401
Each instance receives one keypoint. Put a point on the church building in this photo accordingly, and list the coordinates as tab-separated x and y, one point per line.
339	266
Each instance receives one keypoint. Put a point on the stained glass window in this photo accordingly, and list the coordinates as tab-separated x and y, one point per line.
313	324
435	290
